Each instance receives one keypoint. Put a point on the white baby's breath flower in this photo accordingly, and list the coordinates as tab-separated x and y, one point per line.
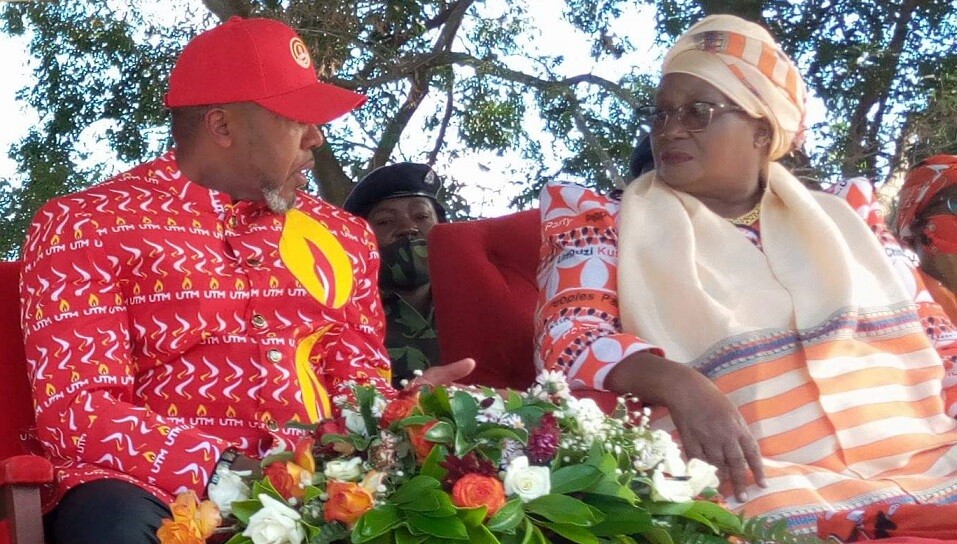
228	489
344	470
527	482
275	523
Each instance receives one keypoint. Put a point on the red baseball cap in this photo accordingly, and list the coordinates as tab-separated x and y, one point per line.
261	61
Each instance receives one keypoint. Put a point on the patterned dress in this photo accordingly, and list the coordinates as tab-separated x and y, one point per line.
824	437
164	323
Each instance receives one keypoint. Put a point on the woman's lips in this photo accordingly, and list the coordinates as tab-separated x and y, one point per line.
674	157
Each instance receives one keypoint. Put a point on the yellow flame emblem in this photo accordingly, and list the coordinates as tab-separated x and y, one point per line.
93	300
314	394
230	412
213	283
317	259
64	306
172	411
158	287
201	411
187	284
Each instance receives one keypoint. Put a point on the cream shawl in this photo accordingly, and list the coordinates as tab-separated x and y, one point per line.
689	280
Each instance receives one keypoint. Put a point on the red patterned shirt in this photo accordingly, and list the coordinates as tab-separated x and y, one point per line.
164	323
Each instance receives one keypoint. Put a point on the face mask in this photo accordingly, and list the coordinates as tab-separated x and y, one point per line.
405	264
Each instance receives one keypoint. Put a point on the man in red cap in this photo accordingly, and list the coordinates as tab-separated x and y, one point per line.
178	314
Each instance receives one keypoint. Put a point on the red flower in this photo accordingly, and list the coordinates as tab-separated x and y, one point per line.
330	426
420	445
282	480
470	464
543	441
399	409
474	490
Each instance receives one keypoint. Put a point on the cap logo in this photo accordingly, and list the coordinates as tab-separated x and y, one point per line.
300	53
429	177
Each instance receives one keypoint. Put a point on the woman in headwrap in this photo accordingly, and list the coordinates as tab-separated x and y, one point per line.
762	321
927	222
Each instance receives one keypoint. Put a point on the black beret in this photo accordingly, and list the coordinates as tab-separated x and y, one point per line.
641	160
394	181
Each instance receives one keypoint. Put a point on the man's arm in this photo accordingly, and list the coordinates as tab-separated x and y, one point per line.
78	349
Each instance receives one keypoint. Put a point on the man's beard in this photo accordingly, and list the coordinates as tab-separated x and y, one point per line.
275	200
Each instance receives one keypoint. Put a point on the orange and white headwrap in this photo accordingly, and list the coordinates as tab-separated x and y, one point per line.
920	187
744	62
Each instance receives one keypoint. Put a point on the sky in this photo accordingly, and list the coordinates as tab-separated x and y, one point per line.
487	188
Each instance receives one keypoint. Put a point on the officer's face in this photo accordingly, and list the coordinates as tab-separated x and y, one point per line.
406	217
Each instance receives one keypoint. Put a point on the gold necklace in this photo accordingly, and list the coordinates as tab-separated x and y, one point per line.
749	218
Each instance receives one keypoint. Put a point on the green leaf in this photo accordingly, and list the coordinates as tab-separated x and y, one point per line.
265	486
465	412
440	504
430	467
564	509
576	534
621	516
309	427
413	489
574	478
508	517
414	420
447	527
279	457
403	536
514	401
242	510
440	433
238	538
472	517
436	402
495	433
311	492
376	522
479	534
657	535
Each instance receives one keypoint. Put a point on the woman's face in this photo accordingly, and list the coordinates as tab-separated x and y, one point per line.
723	159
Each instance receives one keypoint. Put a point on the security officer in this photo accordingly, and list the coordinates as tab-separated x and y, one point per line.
400	203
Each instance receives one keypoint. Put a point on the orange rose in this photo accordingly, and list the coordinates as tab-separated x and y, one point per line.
421	446
193	521
474	490
172	532
302	455
284	482
398	409
347	502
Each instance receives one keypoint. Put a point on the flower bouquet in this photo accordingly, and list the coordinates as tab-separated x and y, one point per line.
450	464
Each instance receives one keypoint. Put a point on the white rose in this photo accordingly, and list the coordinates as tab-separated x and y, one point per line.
668	489
701	476
672	463
229	489
344	470
526	481
275	523
354	421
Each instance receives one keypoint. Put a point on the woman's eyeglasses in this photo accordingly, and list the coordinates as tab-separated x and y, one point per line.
940	206
694	117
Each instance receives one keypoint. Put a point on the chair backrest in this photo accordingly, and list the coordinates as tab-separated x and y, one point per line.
16	403
484	288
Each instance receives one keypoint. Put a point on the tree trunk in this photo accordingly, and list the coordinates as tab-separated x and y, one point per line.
334	184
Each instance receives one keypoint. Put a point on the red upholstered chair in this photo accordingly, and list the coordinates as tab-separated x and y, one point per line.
485	290
19	474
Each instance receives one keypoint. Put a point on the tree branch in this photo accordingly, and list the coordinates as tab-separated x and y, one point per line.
592	141
443	127
224	9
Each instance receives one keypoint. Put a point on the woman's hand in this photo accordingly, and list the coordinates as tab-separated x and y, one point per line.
711	429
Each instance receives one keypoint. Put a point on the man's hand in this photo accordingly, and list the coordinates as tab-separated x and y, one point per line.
445	374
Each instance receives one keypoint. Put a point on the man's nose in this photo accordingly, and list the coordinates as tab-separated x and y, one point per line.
313	137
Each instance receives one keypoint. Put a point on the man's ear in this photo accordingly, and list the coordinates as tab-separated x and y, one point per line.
218	124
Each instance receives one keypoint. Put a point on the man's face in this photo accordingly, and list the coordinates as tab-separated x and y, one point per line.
405	217
277	154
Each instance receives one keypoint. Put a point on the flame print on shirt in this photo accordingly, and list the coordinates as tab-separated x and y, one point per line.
314	394
317	259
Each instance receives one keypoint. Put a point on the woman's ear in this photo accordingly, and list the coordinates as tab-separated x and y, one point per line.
762	136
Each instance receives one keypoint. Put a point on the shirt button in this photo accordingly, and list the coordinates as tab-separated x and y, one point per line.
259	322
233	222
274	355
272	425
253	261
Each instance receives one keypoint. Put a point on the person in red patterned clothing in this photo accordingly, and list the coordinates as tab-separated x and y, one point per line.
179	314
